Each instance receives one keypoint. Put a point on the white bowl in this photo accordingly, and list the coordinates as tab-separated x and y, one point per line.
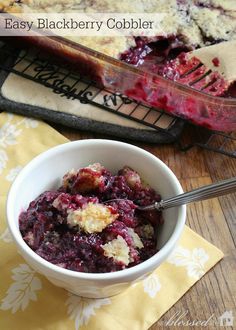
45	172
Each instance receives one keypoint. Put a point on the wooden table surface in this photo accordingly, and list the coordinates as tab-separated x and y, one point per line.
215	220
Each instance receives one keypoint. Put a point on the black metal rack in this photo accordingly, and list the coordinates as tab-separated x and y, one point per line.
38	67
214	141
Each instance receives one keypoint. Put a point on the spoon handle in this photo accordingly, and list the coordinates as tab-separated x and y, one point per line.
199	194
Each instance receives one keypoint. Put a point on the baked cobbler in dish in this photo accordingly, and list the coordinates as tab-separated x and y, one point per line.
187	25
187	28
91	223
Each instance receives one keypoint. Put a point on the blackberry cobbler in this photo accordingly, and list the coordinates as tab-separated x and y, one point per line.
91	223
187	25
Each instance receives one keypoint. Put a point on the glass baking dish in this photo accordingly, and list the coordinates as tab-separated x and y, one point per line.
215	113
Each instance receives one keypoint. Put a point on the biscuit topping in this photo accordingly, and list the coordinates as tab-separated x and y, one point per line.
92	218
118	250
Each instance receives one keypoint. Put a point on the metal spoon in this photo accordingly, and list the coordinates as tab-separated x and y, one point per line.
199	194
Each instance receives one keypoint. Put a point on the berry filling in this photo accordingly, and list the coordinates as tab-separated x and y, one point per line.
168	57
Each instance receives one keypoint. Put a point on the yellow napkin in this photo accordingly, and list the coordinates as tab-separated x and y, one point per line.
29	301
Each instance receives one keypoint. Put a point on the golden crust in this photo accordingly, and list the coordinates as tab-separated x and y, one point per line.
214	24
6	5
193	20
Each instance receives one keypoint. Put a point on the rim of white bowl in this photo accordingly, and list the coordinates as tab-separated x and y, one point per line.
147	264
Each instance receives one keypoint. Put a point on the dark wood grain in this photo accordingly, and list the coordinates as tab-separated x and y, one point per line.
215	220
